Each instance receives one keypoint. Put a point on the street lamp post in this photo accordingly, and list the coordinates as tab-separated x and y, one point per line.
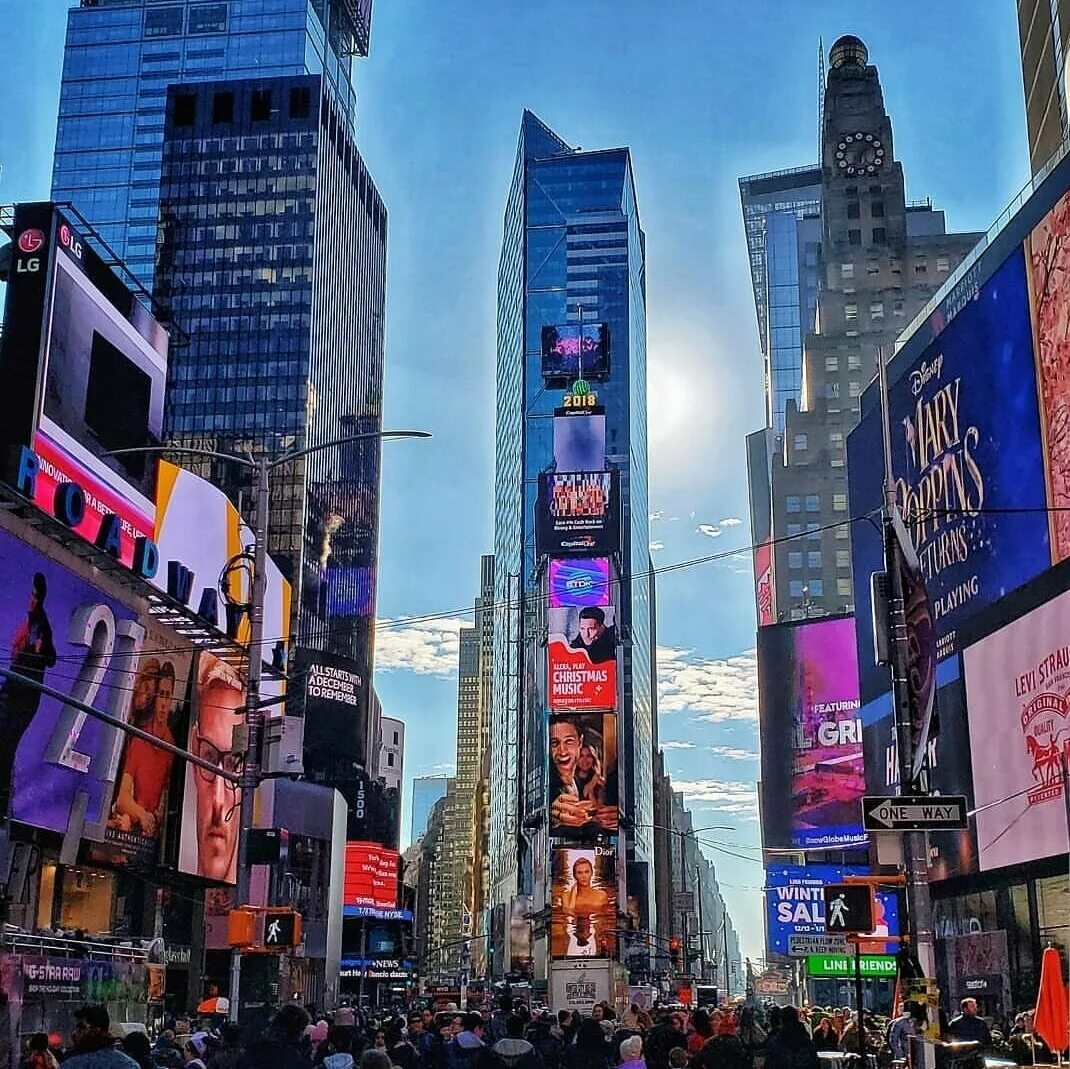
263	466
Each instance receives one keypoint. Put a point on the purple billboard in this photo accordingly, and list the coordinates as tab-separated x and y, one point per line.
579	582
58	630
813	774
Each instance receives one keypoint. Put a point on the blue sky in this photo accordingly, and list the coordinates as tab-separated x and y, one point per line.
702	91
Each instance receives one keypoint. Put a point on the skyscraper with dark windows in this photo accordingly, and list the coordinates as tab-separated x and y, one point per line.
120	58
571	336
272	259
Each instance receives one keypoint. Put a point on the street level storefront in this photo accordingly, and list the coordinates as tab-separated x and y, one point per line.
989	939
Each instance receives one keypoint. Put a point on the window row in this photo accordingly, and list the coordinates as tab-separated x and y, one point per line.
794	503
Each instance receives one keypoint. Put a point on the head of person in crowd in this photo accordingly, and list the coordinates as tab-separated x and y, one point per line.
631	1052
375	1059
92	1029
700	1021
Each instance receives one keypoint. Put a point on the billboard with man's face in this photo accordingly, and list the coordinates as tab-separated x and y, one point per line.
583	902
58	630
583	774
582	658
211	808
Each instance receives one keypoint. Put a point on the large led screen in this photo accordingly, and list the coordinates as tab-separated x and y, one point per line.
570	351
579	440
1017	688
159	705
583	902
578	513
582	659
371	876
967	461
951	853
795	906
333	705
211	807
583	774
813	776
579	582
59	630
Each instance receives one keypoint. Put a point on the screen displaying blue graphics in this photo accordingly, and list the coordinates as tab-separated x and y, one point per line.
579	582
795	905
968	465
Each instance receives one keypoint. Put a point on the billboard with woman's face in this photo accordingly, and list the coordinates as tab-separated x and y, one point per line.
583	902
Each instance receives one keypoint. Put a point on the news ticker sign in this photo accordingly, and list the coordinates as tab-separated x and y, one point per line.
371	876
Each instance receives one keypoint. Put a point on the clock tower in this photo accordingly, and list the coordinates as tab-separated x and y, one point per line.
863	203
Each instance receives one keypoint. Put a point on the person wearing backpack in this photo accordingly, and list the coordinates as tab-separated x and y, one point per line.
514	1051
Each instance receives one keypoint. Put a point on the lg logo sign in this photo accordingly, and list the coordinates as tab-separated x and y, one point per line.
29	242
69	241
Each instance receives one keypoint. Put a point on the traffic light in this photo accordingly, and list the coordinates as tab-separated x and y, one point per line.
674	952
849	908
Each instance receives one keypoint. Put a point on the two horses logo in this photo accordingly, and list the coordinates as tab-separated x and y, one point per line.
1046	727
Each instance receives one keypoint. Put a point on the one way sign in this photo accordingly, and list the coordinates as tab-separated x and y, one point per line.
915	813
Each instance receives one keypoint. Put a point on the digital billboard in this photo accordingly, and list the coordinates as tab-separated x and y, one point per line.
579	439
197	532
578	582
332	703
211	805
583	902
572	351
371	876
159	704
795	905
578	513
951	853
813	776
84	365
1017	686
63	632
583	774
581	657
968	465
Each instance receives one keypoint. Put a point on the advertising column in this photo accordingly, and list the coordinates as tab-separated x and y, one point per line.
578	537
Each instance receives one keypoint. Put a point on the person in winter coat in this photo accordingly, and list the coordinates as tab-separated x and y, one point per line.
668	1033
751	1033
548	1040
514	1051
702	1030
402	1053
499	1018
339	1048
93	1042
192	1052
467	1050
723	1050
590	1051
138	1047
38	1056
631	1053
791	1046
281	1047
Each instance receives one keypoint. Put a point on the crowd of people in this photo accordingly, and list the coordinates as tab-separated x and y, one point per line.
513	1036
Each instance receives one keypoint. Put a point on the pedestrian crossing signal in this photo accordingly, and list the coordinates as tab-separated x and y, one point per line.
850	908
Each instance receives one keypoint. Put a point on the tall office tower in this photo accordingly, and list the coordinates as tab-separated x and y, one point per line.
392	753
120	57
572	624
426	790
1044	34
782	219
879	259
272	260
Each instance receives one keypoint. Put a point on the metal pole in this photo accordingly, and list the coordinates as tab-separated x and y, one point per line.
858	1002
254	713
363	962
724	926
915	844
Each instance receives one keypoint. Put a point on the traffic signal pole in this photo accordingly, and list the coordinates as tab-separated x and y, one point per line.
915	843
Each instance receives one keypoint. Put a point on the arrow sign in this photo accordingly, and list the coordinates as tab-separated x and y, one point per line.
802	946
915	813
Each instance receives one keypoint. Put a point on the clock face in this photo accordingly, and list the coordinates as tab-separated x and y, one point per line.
859	154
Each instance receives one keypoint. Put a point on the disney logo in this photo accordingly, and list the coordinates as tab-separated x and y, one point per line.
926	373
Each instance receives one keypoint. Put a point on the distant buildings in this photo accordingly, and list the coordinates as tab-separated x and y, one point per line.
426	790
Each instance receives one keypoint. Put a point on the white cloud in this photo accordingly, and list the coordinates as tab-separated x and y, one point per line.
715	689
655	516
656	545
720	796
709	530
732	521
677	744
426	647
733	753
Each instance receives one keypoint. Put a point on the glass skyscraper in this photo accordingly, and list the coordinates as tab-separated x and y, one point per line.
782	218
572	247
120	58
